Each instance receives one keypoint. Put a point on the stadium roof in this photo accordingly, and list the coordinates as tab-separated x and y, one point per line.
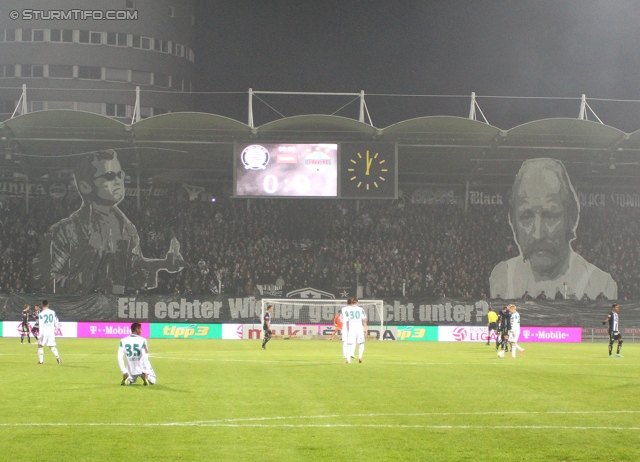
434	150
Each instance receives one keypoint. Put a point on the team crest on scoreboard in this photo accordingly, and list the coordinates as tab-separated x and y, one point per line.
255	157
317	161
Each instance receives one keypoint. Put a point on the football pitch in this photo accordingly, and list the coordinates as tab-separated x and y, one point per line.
230	400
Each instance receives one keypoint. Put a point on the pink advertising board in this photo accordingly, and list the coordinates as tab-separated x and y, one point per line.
108	329
551	334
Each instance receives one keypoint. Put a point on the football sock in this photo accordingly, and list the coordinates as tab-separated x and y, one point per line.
54	350
352	350
619	347
41	354
519	348
610	347
361	351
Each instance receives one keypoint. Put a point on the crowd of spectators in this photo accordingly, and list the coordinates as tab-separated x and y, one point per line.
390	248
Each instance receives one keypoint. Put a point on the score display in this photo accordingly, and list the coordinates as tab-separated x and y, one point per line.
294	170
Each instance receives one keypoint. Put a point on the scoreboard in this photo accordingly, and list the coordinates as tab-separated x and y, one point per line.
339	170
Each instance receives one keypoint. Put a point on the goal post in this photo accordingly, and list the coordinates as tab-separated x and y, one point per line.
320	311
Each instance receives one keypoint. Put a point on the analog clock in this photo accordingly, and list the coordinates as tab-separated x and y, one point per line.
368	170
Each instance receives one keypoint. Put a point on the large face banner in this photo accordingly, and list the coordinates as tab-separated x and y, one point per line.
97	248
543	213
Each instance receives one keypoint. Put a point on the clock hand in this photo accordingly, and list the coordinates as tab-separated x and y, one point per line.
369	162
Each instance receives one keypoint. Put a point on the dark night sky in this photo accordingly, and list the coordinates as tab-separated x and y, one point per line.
448	47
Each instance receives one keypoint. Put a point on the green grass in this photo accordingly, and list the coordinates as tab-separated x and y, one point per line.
230	400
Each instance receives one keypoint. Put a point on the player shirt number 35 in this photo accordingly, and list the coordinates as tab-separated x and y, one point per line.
134	348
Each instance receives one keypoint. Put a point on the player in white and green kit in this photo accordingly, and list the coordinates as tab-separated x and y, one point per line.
134	348
48	324
354	319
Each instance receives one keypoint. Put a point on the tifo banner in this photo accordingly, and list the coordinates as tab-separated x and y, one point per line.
197	331
108	329
210	309
14	329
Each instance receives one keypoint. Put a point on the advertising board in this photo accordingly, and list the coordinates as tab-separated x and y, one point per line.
197	331
13	329
108	329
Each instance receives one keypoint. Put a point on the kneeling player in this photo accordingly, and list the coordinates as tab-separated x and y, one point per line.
134	347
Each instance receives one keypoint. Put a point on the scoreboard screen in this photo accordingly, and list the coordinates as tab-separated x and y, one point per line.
286	170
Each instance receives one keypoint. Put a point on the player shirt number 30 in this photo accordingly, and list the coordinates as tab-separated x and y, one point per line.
354	318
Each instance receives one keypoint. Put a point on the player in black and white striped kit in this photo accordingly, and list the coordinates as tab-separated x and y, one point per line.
614	330
24	326
266	326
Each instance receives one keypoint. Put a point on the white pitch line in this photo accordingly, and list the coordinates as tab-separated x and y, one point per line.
250	421
238	425
314	362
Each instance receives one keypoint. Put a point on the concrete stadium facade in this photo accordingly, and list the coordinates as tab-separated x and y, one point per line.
72	57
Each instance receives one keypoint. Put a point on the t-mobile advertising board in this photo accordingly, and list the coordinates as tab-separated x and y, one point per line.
14	329
551	334
108	329
527	334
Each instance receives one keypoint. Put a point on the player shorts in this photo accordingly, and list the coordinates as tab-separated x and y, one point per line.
613	336
151	377
47	340
514	334
267	333
356	337
24	328
493	326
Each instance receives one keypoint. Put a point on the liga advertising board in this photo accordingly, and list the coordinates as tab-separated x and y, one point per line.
108	329
14	329
197	331
527	334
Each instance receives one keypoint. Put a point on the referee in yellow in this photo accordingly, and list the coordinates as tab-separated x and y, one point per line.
492	326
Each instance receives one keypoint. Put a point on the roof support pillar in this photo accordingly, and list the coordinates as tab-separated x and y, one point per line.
361	117
472	109
582	115
250	122
22	102
136	108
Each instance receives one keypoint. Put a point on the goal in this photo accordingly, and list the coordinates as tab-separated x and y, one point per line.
312	312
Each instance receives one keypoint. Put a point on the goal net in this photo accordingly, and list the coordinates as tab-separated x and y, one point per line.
313	318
